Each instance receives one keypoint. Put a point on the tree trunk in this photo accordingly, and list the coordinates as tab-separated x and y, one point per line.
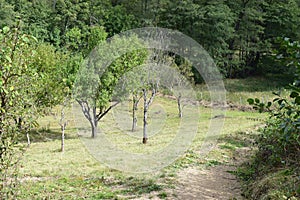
92	116
135	100
94	124
63	124
231	46
28	140
54	4
63	137
19	123
134	120
146	107
145	138
179	106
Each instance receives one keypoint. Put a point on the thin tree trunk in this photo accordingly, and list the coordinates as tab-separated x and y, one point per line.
179	106
63	124
237	27
28	139
146	107
145	138
54	4
134	118
63	138
135	103
20	123
94	122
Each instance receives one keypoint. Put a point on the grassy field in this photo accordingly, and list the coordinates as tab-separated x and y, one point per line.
239	90
47	173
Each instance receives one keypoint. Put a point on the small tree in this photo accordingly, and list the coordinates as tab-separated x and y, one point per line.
94	87
138	83
63	122
50	81
132	84
147	102
15	57
31	81
177	85
157	62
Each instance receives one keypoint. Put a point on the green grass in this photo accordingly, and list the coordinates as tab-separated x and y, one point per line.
277	184
47	173
239	90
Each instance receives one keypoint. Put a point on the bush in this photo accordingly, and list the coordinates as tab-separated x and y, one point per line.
279	141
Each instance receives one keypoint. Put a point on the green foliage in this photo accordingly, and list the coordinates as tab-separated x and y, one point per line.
97	80
118	20
74	39
99	87
6	14
15	58
279	142
239	35
95	36
286	22
219	21
33	78
52	80
281	137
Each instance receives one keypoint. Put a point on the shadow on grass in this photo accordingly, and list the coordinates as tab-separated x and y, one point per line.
45	135
256	84
237	140
133	186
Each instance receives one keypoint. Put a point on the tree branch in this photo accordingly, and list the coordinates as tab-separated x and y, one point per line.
102	114
85	109
152	97
137	99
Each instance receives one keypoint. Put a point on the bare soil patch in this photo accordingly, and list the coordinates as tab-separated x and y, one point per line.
216	182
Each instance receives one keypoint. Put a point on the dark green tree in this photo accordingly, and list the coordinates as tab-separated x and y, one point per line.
7	14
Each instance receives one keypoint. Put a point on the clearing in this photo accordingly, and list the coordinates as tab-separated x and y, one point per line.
47	173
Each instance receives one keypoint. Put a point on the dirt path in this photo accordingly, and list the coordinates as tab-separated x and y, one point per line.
212	183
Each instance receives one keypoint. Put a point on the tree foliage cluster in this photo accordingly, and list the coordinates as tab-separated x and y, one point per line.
97	84
33	79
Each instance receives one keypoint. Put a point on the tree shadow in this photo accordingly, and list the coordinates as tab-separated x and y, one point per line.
46	135
257	84
238	140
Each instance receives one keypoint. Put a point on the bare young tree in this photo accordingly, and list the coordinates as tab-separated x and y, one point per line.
177	84
63	122
138	83
147	103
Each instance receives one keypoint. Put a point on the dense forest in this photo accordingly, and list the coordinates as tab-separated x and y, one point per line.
43	43
240	35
